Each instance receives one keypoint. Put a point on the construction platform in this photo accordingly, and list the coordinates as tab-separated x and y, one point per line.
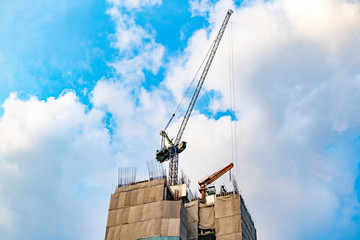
153	210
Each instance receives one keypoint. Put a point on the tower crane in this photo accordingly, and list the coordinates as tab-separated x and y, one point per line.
175	147
212	178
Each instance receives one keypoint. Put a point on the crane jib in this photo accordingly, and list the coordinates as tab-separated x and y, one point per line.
171	152
202	78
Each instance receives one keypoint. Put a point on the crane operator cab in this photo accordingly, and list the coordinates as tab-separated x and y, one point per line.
211	190
165	153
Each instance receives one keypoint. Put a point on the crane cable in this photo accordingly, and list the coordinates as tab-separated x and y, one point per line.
232	101
187	90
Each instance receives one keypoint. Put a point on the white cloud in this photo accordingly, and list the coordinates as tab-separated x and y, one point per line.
7	219
296	85
137	47
53	154
200	7
136	119
291	73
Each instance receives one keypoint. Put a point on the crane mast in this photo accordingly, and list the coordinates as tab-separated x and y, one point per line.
171	153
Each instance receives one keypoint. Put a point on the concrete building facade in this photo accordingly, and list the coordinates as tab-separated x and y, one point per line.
151	210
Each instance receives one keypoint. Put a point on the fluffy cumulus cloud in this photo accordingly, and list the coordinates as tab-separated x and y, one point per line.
297	83
138	50
58	157
50	154
134	122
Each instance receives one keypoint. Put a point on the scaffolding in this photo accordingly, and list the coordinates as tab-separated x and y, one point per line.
151	210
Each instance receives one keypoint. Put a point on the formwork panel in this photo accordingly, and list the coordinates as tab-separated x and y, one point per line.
121	201
231	236
226	206
207	216
227	225
192	209
114	201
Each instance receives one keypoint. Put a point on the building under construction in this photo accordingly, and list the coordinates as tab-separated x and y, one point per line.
163	209
155	210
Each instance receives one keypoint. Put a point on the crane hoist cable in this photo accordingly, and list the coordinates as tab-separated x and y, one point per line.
232	99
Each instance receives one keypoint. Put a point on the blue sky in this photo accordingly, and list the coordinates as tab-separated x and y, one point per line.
68	45
85	87
54	45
